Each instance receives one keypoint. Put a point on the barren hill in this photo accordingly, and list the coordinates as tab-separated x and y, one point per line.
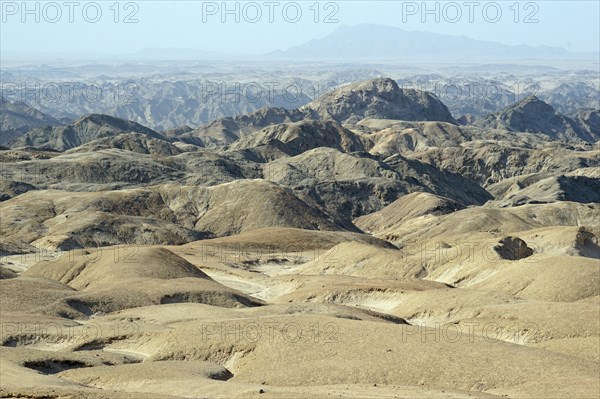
364	245
83	130
378	99
16	118
533	115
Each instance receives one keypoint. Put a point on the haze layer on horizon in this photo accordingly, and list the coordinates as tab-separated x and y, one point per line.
50	29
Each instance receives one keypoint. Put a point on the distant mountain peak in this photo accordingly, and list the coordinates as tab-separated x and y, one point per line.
372	41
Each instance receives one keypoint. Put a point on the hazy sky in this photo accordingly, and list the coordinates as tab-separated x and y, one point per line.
203	25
